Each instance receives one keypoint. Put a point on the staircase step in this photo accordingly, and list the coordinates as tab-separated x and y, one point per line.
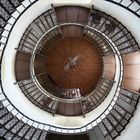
65	14
126	106
37	30
96	134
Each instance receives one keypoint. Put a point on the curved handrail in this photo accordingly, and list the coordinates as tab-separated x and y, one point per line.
34	54
128	6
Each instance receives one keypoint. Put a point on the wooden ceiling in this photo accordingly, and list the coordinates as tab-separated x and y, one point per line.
74	63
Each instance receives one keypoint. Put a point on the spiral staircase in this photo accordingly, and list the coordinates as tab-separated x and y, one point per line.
69	70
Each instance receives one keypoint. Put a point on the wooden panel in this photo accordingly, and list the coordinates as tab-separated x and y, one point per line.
39	64
132	84
61	14
72	31
69	109
109	59
132	71
109	67
133	58
83	15
72	14
22	66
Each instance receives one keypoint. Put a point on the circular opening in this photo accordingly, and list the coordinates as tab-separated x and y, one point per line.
73	65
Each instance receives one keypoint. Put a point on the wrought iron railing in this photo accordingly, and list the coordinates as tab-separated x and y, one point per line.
114	30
